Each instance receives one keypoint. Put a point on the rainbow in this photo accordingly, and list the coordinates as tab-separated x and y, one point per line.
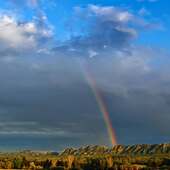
101	104
33	3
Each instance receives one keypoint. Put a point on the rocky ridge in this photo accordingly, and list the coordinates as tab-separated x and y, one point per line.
139	149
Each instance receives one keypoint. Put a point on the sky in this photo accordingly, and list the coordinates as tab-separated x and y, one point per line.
46	101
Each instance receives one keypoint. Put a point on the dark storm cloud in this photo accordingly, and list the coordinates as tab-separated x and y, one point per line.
44	91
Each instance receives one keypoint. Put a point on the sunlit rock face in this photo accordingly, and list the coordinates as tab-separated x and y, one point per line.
141	149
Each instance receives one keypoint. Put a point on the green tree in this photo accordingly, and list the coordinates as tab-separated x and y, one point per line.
18	163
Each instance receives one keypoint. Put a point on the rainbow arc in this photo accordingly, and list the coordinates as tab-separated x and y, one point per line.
101	104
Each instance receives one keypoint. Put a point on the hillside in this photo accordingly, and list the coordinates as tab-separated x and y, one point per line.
119	157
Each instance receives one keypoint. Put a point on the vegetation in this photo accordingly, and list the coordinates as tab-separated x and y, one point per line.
136	157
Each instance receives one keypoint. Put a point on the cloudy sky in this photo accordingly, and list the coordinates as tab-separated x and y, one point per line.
46	102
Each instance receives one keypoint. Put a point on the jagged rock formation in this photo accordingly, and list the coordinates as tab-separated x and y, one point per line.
140	149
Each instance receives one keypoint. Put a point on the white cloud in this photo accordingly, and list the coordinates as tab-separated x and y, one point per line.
13	35
30	27
111	13
16	35
92	53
